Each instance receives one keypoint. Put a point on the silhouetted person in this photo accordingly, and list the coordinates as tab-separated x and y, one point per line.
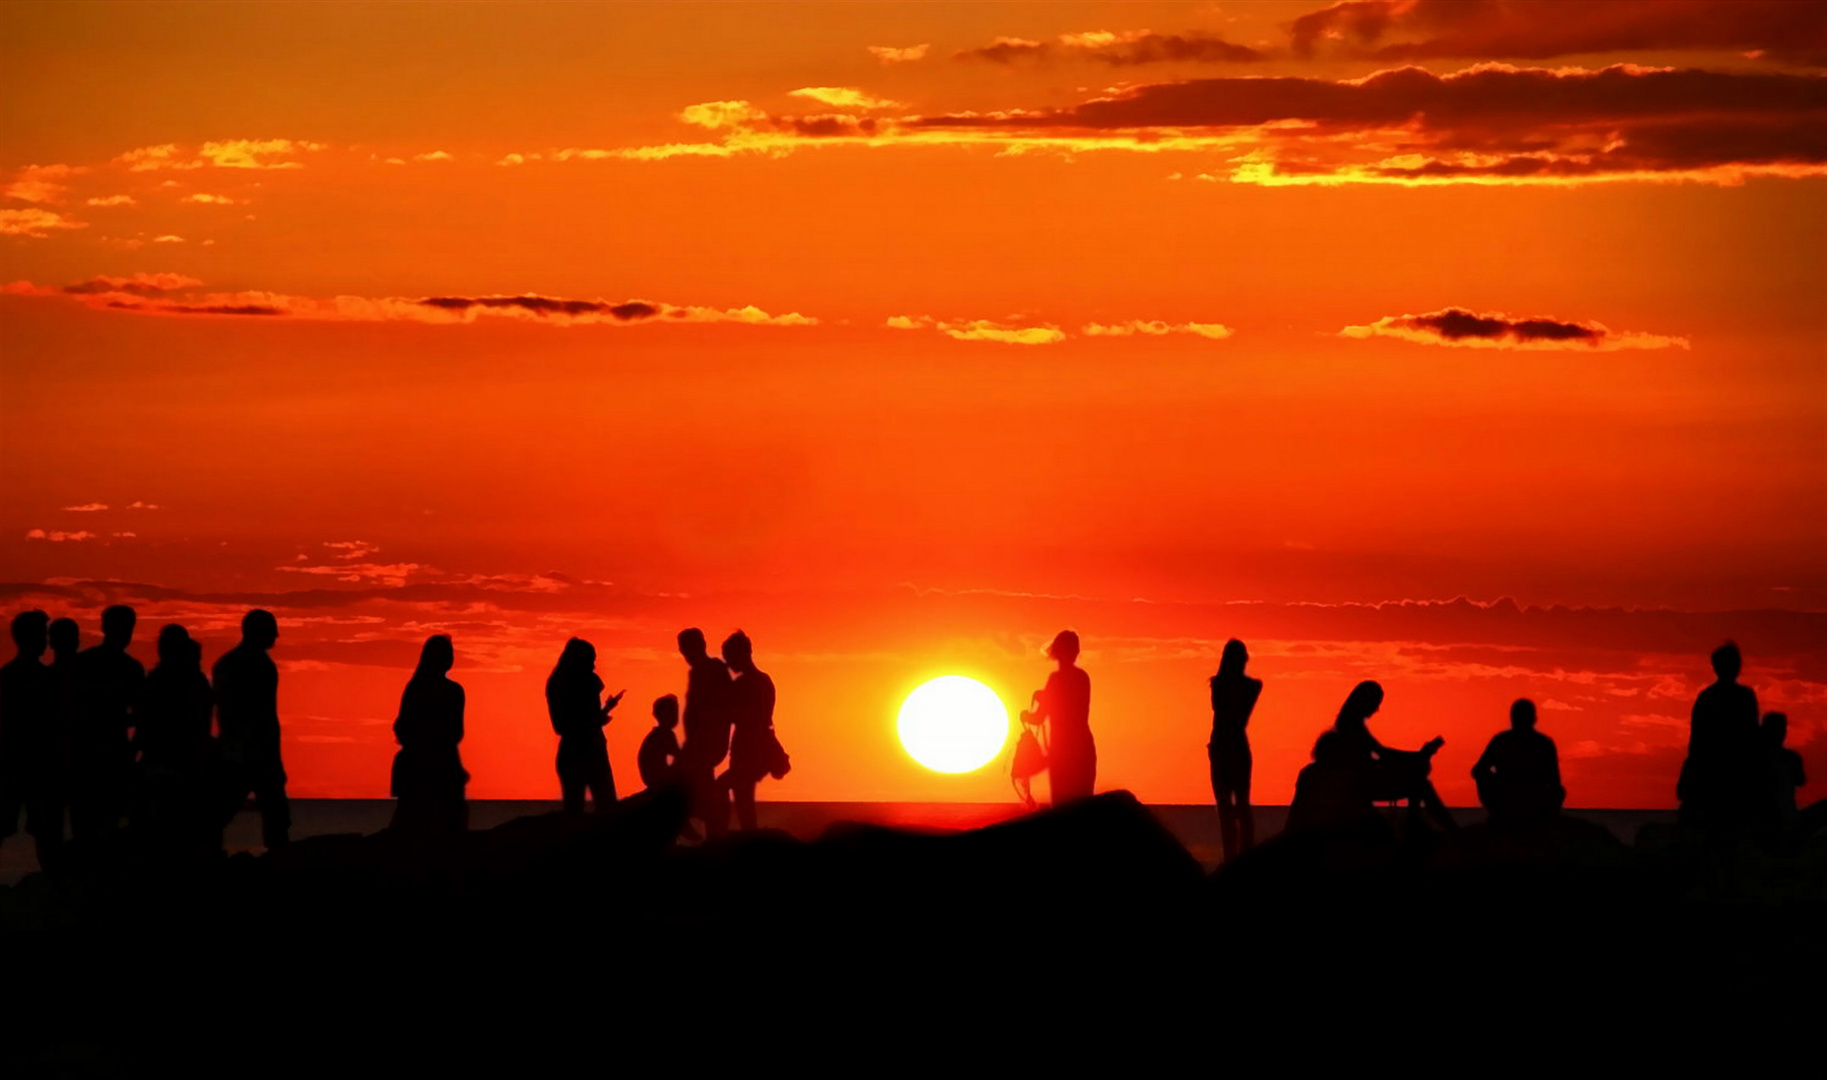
1722	778
1519	773
171	733
247	718
108	687
1786	772
1234	697
1064	706
428	773
1388	774
659	753
29	741
707	730
754	752
573	700
1333	792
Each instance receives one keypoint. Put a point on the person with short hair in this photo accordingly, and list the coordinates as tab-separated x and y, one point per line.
247	719
1519	773
30	744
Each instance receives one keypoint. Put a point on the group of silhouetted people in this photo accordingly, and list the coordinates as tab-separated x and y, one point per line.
94	737
1738	773
728	715
175	754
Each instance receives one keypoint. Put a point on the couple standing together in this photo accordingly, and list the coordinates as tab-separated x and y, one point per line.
729	713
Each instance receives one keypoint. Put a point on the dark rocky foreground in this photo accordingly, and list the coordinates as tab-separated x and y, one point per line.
549	940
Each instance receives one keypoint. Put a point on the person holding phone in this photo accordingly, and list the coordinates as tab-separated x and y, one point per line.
572	693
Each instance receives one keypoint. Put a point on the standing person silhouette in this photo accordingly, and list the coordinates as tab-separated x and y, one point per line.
173	740
428	774
247	719
30	747
108	687
752	753
1234	697
707	730
1064	705
1519	773
1388	773
573	693
1721	777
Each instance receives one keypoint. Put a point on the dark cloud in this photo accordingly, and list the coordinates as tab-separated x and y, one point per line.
1118	50
199	309
1455	323
1455	326
1540	29
546	305
138	285
1490	97
1491	122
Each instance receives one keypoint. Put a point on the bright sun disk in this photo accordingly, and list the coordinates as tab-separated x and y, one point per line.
953	724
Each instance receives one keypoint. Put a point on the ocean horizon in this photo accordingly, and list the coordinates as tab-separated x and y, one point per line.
1195	825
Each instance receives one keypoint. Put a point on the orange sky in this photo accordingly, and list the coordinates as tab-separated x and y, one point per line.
903	336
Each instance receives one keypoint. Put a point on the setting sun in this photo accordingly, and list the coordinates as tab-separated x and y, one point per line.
953	724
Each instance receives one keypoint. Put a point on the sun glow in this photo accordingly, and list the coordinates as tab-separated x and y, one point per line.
953	724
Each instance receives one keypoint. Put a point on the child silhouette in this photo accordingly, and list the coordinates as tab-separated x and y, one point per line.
659	753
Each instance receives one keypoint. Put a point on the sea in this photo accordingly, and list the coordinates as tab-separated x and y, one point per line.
1196	826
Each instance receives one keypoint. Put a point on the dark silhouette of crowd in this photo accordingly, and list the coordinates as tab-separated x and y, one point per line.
172	755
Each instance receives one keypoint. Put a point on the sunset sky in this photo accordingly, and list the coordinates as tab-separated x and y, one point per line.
1476	347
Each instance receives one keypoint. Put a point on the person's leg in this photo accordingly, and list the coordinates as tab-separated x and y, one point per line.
714	804
1429	800
275	808
572	791
744	794
1227	819
1246	816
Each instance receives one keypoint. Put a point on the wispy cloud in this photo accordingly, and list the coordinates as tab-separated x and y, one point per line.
59	536
1005	333
40	183
898	54
844	97
223	154
86	508
155	294
36	223
1157	328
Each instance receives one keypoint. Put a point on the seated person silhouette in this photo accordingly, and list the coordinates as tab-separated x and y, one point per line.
1391	775
1786	771
1519	774
658	757
1331	793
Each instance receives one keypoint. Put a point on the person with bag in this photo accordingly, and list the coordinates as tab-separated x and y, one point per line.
1030	757
1065	704
755	751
